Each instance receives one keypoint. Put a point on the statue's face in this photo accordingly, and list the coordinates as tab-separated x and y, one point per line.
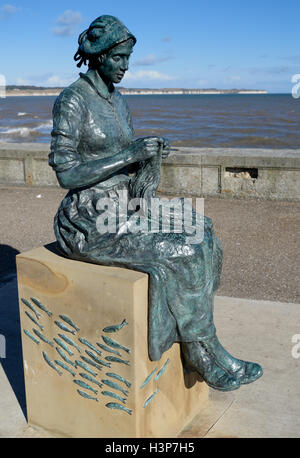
115	64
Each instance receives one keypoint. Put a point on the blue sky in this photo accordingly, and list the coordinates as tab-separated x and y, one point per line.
192	43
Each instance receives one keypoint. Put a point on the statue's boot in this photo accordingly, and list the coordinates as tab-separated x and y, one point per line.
197	358
244	371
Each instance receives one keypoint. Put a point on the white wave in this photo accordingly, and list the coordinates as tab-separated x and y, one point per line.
21	113
45	125
27	131
22	131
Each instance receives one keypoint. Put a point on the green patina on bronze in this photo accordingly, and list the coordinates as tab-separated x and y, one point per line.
95	155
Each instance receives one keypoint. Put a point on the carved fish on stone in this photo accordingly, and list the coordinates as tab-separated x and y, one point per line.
85	385
63	345
64	357
150	398
91	379
88	344
64	328
114	385
41	306
50	363
97	360
106	348
31	336
27	303
116	405
117	360
85	367
86	395
64	366
147	380
118	377
43	338
70	342
69	321
34	320
113	395
162	371
112	343
116	327
91	362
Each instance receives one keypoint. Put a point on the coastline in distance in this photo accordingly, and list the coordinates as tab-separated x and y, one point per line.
54	91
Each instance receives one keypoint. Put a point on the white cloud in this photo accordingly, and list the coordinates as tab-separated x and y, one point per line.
8	10
46	80
67	23
56	80
147	75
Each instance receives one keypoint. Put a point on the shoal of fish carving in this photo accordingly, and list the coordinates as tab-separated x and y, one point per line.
27	303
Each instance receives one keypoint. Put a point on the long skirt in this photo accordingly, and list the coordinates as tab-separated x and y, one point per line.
183	276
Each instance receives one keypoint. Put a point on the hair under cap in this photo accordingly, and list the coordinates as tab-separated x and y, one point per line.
103	33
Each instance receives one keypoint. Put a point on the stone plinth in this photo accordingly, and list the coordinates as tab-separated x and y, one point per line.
61	299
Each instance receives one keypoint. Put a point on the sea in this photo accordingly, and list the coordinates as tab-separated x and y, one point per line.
221	120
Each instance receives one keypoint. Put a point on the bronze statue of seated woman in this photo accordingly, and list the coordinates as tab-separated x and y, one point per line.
95	156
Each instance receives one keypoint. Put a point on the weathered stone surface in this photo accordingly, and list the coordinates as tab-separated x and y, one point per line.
95	297
11	171
187	171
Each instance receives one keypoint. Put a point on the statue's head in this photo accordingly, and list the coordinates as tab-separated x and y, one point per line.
106	45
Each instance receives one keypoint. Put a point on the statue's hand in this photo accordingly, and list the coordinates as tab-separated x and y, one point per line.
163	145
166	148
144	148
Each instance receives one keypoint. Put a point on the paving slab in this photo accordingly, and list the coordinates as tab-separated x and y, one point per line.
259	331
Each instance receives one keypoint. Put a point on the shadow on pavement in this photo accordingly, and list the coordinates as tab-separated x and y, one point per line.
10	324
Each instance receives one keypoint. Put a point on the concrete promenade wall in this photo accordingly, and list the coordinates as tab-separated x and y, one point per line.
218	172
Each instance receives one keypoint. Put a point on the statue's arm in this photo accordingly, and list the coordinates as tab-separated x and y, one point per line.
71	172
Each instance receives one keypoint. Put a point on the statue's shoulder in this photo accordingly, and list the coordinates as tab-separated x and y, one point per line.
72	94
120	98
119	95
